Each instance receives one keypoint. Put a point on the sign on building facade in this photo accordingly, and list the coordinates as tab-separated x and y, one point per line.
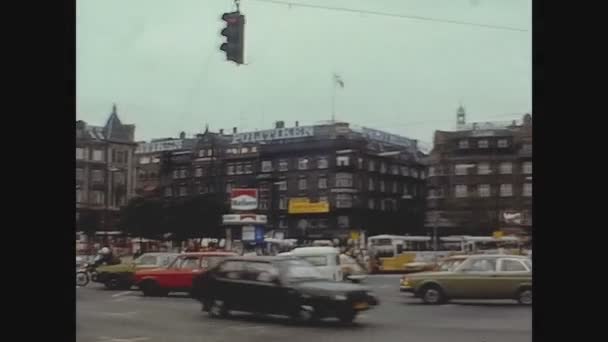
273	134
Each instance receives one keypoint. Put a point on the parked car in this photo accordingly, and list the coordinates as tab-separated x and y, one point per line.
325	259
474	277
281	285
122	276
178	276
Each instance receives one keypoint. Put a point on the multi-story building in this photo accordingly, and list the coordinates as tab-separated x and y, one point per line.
321	181
480	178
105	174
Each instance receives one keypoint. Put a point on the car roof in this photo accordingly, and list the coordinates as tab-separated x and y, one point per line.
161	254
314	250
260	258
495	256
208	254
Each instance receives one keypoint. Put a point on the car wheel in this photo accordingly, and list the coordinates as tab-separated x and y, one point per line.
150	288
347	316
432	294
113	283
82	279
524	296
218	308
304	314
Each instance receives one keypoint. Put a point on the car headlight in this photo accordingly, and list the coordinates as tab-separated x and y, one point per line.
340	297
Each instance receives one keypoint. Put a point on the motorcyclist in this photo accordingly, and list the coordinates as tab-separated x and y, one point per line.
105	256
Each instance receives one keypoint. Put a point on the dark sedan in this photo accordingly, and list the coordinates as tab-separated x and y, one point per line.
278	285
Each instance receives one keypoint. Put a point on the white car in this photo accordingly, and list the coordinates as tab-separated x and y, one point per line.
325	259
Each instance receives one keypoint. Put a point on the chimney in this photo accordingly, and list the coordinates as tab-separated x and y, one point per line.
233	130
279	124
221	131
297	123
182	135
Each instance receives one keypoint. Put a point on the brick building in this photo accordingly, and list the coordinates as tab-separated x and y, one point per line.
105	176
362	179
480	178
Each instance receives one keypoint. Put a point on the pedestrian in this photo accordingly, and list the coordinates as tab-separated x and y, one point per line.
137	253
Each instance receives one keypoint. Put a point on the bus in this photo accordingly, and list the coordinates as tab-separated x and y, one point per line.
483	244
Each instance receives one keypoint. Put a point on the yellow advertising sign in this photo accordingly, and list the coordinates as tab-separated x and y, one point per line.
304	206
497	234
354	235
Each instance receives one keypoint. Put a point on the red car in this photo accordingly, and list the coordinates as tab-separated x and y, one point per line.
177	277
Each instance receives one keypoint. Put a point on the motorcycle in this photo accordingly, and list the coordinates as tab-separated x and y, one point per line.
85	274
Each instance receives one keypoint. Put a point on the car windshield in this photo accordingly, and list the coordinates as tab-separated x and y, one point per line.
316	260
301	270
450	265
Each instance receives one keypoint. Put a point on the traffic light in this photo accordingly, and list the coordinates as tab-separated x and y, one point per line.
234	33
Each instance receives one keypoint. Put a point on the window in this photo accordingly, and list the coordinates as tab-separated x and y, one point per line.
371	165
254	149
302	184
370	203
483	169
282	185
97	176
431	171
155	160
344	180
463	144
245	150
414	173
482	265
316	260
405	189
79	175
201	153
360	163
283	165
404	171
382	188
502	143
343	161
78	195
263	204
506	190
188	263
370	184
248	168
198	172
204	189
80	153
183	191
229	186
394	169
462	169
395	186
183	173
323	199
482	143
506	168
510	265
232	269
461	190
322	163
527	191
261	271
382	205
342	221
282	202
323	223
382	167
267	166
483	190
527	148
175	174
209	152
526	168
303	164
322	183
98	197
344	200
168	192
97	155
144	160
239	169
282	223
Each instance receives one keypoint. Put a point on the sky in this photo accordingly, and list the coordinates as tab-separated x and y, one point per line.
160	62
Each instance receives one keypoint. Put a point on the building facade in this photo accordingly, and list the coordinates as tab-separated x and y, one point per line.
321	181
480	178
105	173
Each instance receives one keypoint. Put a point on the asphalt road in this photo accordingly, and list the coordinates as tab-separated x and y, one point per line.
126	316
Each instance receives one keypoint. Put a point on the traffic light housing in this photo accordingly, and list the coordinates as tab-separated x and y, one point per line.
234	33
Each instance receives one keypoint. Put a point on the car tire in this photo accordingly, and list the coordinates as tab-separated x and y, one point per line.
304	314
432	294
150	288
347	316
82	279
113	283
524	296
218	308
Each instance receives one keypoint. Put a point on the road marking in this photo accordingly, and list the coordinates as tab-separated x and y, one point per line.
112	339
130	313
122	294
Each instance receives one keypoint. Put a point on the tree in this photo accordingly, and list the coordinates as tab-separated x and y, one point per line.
144	218
196	217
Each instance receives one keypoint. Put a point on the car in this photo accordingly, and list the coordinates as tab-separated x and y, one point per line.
178	276
279	285
325	259
122	276
351	269
474	277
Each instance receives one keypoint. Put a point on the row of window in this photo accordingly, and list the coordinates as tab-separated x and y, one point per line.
483	168
486	143
82	153
148	160
98	176
483	190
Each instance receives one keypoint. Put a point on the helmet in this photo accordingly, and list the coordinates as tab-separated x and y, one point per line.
104	251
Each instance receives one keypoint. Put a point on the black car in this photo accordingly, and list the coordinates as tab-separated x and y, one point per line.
278	285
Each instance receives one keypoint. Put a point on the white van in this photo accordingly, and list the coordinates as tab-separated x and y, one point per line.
326	259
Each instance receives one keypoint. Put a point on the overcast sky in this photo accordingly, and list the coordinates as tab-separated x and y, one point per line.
159	61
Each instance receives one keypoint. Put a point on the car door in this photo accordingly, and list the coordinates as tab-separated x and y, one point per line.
475	279
262	287
184	272
512	273
229	284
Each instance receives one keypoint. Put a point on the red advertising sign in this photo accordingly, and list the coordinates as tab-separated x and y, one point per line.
244	199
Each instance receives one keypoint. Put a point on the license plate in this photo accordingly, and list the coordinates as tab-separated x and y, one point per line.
360	306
